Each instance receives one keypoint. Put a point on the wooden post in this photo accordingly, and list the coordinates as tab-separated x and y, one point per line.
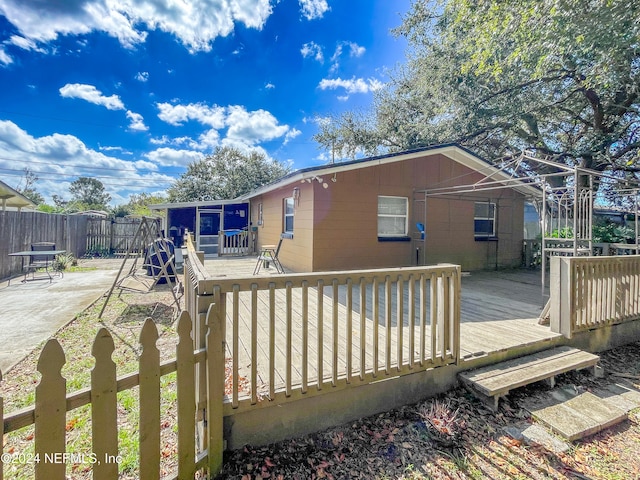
560	286
1	418
216	320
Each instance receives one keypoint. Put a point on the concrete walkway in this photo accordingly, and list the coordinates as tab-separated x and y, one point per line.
32	312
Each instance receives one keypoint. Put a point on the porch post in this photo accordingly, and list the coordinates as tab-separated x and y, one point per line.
560	290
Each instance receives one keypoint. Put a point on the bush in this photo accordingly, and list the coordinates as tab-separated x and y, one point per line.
64	261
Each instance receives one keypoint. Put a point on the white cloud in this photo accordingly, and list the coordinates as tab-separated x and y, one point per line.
25	43
242	126
355	85
291	134
142	76
269	86
137	122
312	49
178	114
170	157
59	159
195	23
355	51
114	149
313	8
92	95
253	127
4	57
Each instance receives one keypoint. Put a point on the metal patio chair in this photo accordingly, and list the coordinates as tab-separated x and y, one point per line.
269	254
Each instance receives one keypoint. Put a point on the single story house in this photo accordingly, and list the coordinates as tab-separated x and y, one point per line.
440	204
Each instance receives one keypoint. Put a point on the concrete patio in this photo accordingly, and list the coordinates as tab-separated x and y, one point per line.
33	311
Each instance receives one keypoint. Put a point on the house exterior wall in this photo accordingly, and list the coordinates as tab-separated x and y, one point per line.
336	228
295	252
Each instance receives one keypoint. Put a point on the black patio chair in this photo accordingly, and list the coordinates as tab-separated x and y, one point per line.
37	262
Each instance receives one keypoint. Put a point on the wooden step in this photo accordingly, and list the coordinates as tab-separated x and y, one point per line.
495	381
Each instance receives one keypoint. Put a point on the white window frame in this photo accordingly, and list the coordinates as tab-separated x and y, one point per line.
405	216
285	215
491	218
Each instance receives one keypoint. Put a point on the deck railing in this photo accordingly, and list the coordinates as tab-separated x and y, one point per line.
592	292
233	243
307	333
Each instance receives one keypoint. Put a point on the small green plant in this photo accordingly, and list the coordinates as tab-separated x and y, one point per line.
612	233
566	232
64	261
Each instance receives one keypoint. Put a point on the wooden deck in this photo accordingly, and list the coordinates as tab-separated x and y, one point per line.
499	311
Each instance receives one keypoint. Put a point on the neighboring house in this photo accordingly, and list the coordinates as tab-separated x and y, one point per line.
423	206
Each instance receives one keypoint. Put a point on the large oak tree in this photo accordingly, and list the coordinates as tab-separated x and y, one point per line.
558	77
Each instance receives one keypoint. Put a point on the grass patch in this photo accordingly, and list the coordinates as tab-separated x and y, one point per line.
123	318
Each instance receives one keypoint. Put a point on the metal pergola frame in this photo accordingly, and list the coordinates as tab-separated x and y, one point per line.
572	203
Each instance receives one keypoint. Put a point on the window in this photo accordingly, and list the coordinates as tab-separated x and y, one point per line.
393	214
288	215
484	220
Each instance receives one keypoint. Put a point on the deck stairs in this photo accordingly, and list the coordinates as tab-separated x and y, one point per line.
492	382
567	411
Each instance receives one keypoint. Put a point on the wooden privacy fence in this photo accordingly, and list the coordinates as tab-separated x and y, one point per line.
116	235
50	456
18	230
592	292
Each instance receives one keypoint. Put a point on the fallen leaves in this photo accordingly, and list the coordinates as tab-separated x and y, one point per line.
400	444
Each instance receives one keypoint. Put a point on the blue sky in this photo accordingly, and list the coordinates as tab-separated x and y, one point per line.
130	92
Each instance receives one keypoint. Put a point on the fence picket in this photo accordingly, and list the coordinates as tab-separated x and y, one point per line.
335	333
363	328
104	413
50	413
399	321
320	320
305	336
150	398
186	388
1	418
349	330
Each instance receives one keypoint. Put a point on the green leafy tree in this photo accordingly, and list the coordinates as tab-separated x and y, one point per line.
226	174
558	77
138	205
29	179
88	194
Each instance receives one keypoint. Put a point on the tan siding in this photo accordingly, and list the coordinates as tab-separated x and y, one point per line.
337	227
